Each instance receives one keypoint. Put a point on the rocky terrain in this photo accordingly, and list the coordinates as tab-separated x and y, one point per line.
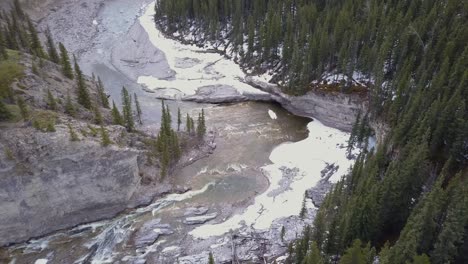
50	181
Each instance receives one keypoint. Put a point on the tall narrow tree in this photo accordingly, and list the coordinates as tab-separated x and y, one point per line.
127	110
52	50
82	91
138	109
65	61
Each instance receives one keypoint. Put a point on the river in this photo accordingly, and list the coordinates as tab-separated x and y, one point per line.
264	161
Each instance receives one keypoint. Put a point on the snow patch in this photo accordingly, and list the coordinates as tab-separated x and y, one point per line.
95	22
41	261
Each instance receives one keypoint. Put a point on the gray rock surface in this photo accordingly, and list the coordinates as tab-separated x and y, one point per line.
195	220
49	183
150	232
345	107
196	211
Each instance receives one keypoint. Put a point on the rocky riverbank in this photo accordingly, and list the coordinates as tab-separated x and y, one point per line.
51	181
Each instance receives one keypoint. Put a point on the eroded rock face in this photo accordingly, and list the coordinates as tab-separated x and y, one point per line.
332	109
195	220
48	182
150	232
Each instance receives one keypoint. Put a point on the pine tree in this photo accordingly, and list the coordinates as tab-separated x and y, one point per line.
201	128
116	116
69	107
36	46
188	125
102	94
179	119
53	54
73	135
82	91
138	109
357	254
283	232
3	51
5	114
97	115
18	9
211	259
303	212
51	103
105	140
65	61
23	108
313	256
127	110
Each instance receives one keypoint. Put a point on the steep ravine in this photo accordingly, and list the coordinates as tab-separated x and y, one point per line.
226	183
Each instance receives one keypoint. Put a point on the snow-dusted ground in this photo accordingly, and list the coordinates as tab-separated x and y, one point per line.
324	145
193	66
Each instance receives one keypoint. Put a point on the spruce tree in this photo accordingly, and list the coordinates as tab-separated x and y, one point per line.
69	107
3	51
82	91
73	135
36	46
188	126
5	114
138	109
127	110
314	256
179	119
102	94
303	212
211	258
283	232
97	115
23	108
51	103
116	116
52	50
18	9
65	61
105	140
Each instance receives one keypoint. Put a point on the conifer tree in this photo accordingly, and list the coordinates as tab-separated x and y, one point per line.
73	135
51	103
52	50
36	46
18	9
3	51
23	108
127	110
211	259
65	61
303	212
5	114
69	107
82	91
102	93
314	256
105	140
179	119
283	232
97	115
138	109
188	125
116	116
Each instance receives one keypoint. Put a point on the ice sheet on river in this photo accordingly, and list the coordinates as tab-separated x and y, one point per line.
309	157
